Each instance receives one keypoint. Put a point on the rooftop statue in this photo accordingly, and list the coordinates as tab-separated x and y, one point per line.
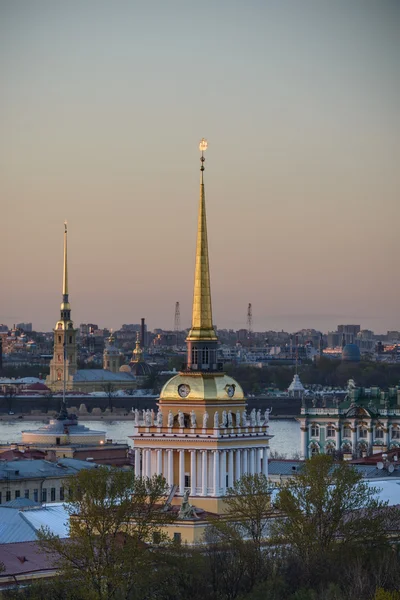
187	511
193	422
216	419
205	419
170	419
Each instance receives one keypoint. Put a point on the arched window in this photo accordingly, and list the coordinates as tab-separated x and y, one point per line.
330	431
314	430
363	433
58	375
70	339
395	433
59	339
347	431
379	433
314	450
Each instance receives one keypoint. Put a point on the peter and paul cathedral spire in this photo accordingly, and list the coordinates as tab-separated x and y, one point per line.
64	362
65	306
202	339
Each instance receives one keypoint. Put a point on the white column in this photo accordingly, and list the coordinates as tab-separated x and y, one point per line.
181	471
245	454
137	462
230	468
159	462
148	462
251	461
258	466
337	436
303	440
193	457
265	462
204	472
216	474
354	436
222	479
238	472
170	467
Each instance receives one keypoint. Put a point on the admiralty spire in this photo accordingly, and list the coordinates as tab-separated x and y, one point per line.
202	440
202	340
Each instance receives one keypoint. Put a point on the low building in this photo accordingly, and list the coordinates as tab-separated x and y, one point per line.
366	422
38	480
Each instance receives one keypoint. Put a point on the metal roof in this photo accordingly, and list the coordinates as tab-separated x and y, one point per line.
102	375
17	470
22	525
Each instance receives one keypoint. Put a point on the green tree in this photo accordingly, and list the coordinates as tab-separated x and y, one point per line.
114	516
329	513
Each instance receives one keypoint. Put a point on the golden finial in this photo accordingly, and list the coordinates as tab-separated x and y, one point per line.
65	273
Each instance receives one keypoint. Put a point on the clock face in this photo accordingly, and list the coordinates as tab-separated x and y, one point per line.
183	390
230	390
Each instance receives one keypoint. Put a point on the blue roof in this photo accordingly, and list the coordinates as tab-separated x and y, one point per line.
102	375
351	352
33	468
22	524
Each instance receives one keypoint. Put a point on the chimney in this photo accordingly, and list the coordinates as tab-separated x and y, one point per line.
142	333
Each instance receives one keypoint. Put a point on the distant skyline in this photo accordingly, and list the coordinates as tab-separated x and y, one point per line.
101	111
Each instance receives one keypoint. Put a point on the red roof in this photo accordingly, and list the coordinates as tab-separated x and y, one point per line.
23	558
38	386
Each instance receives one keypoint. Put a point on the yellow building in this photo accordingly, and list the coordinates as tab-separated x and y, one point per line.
64	372
202	439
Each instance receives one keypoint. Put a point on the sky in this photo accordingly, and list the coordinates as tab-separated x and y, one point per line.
102	107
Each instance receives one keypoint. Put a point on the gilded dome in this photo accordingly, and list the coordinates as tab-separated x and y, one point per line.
202	386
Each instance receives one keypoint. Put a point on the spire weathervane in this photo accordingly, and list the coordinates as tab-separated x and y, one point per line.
65	274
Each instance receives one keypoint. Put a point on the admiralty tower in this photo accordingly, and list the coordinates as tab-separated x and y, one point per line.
202	439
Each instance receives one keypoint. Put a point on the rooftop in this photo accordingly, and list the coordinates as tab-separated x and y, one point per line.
16	470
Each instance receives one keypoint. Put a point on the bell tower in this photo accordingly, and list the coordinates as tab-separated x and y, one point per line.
64	362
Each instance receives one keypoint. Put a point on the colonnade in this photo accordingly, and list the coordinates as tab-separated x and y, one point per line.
210	472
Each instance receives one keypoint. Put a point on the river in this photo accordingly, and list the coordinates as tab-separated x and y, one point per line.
286	432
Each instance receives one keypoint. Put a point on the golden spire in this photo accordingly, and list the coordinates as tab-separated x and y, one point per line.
137	352
65	303
202	323
65	274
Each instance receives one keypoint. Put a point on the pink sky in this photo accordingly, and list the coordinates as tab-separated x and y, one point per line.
102	108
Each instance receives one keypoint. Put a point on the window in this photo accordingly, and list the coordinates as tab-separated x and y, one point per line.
17	493
8	496
1	499
314	430
58	441
26	493
346	431
44	495
379	434
61	494
59	339
35	495
330	431
194	356
177	538
314	450
395	434
205	357
156	537
187	481
363	432
58	375
70	339
53	494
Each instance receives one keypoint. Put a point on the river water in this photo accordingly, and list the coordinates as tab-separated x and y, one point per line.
286	432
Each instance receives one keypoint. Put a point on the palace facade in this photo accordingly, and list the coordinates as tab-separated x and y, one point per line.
366	422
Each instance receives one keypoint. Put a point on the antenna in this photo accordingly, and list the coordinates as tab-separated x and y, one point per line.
249	320
177	322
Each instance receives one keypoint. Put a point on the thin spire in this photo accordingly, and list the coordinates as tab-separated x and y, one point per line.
65	274
202	323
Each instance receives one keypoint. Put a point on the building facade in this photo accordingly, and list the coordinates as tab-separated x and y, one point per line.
366	422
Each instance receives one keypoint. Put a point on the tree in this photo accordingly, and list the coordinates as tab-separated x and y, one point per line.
330	514
109	390
235	551
114	516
